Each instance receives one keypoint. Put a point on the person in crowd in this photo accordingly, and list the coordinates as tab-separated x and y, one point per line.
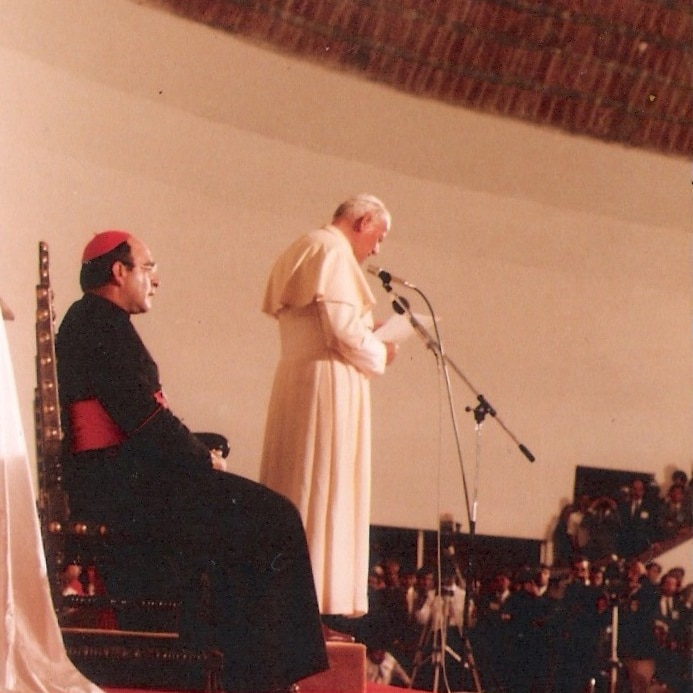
489	634
376	580
637	645
596	577
392	568
675	516
576	529
131	462
423	593
404	637
653	572
599	588
409	589
395	607
679	574
541	579
494	596
382	667
387	611
584	622
638	521
553	628
671	656
685	595
562	545
453	589
71	581
422	604
317	448
523	614
680	478
446	606
602	524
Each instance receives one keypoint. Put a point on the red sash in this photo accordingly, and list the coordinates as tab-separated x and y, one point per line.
92	428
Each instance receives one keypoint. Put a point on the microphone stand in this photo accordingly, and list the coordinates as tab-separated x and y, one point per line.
482	409
401	306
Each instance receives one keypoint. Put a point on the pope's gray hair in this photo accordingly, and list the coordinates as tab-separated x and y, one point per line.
355	208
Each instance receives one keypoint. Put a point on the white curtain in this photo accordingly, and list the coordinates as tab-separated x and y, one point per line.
32	655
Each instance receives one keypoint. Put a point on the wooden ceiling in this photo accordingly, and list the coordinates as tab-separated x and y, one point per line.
617	70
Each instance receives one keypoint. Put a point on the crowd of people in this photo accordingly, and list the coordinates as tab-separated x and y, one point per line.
639	519
605	622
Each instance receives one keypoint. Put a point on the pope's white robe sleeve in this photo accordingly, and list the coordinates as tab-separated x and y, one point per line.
351	335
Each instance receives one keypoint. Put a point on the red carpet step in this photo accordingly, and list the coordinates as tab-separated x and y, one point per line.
347	672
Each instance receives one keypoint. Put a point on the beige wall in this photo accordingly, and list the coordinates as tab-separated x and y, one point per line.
560	267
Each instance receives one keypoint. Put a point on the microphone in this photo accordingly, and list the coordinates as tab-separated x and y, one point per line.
386	278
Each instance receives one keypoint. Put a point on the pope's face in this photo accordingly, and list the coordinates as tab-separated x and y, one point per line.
371	231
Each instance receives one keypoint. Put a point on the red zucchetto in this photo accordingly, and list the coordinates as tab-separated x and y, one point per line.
103	243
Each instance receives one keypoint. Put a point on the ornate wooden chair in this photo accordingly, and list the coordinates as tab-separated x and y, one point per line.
152	653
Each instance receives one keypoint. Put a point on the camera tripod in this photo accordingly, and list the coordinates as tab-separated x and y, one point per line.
434	637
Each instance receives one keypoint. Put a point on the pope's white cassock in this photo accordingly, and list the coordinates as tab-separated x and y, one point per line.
317	447
32	656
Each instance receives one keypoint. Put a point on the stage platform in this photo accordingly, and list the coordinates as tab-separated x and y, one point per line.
370	688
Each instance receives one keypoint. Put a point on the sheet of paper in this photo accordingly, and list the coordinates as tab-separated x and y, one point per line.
398	328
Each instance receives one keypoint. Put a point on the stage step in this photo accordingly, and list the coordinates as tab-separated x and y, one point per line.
347	672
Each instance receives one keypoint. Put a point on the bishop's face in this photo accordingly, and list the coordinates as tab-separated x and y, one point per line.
140	279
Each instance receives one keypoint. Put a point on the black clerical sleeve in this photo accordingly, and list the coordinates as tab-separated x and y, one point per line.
100	356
